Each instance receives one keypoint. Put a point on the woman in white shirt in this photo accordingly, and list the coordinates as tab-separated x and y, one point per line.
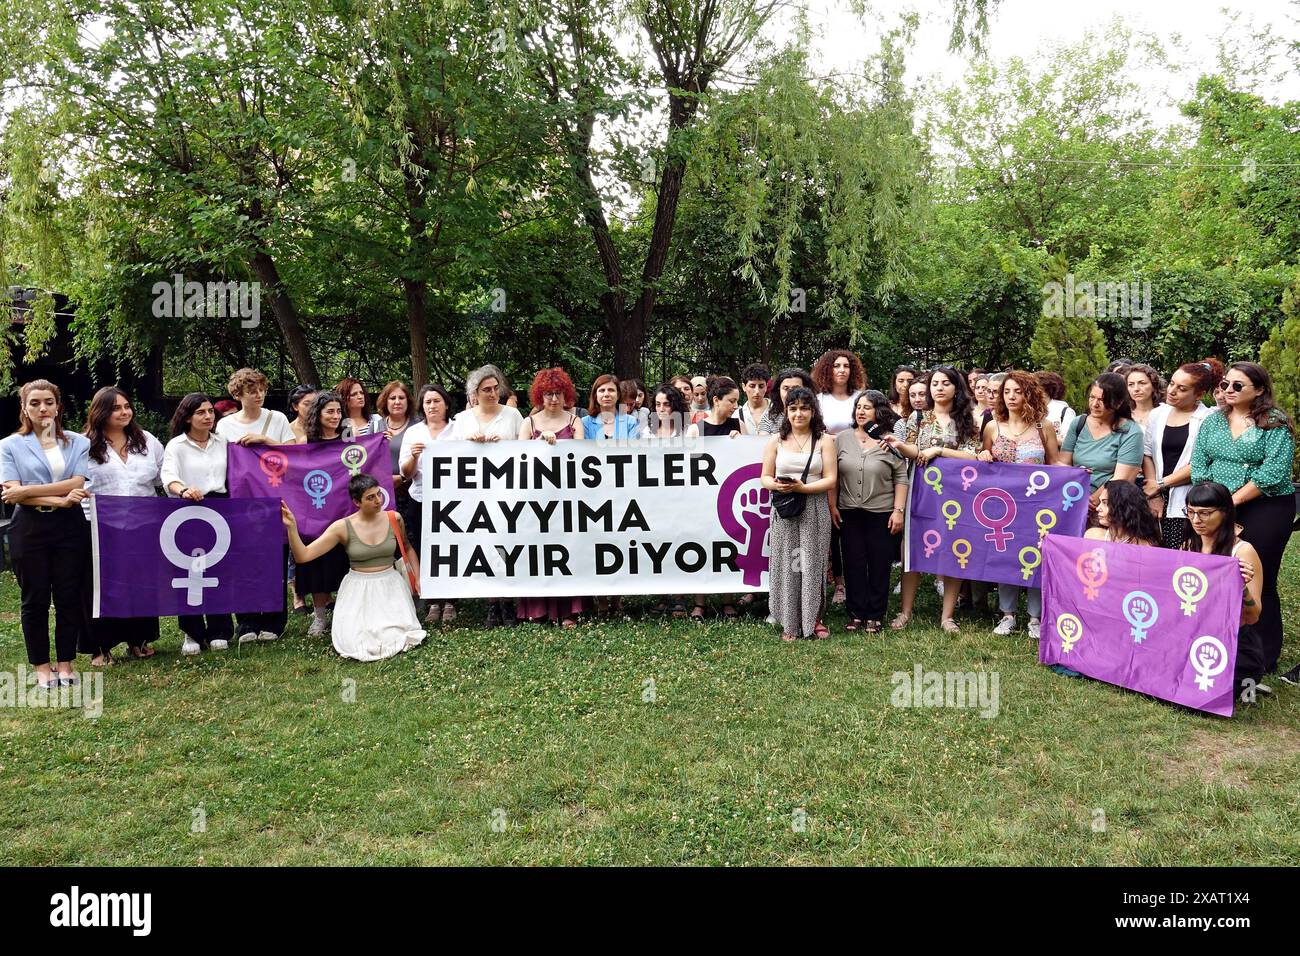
838	376
124	460
1168	441
1059	412
194	468
255	425
435	405
486	419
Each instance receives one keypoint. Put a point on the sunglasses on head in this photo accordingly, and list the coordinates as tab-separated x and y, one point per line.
1227	386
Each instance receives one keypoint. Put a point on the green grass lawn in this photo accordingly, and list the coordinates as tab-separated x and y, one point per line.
546	733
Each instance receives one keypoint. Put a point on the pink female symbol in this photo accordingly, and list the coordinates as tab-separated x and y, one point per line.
1092	572
968	476
998	533
273	464
932	540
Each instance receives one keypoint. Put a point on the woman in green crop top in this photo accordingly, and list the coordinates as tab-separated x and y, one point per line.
374	616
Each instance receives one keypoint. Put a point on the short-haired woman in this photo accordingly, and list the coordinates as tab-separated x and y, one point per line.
485	418
253	424
753	380
43	472
374	616
1059	412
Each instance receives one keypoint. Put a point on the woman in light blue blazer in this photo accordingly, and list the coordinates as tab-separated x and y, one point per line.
43	472
605	420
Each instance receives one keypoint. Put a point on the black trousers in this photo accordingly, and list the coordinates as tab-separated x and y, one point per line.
869	551
1266	523
206	629
51	559
104	633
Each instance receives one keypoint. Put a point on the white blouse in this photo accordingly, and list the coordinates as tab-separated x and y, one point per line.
276	428
837	413
137	477
195	467
505	426
419	434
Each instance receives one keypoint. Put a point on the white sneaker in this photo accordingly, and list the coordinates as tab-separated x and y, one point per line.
190	647
898	588
267	636
218	645
1033	628
434	615
938	586
249	638
1006	625
317	628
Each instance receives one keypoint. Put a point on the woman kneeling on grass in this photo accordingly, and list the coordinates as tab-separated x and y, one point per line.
374	616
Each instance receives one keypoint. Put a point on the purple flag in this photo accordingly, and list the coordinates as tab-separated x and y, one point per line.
1157	621
985	521
158	557
312	479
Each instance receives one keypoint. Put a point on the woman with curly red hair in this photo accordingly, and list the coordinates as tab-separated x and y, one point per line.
837	377
552	395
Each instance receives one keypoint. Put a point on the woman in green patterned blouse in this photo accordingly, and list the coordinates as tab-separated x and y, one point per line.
1248	448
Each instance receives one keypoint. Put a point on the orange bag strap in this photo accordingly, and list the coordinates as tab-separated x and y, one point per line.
397	533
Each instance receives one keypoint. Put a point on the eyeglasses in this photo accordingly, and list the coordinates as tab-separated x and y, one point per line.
1227	386
1194	513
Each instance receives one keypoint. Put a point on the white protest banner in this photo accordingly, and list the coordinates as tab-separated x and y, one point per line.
521	519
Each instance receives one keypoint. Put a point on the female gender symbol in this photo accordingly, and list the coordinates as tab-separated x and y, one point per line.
1092	571
318	484
932	539
273	464
1027	555
968	476
998	535
198	560
952	511
1038	481
1046	521
934	478
1068	499
963	552
354	456
1190	585
1070	630
1140	610
1209	659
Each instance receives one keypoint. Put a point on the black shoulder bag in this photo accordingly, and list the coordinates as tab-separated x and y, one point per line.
790	504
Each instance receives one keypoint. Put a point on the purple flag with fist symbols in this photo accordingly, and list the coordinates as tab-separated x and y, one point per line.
159	557
985	521
312	479
1153	620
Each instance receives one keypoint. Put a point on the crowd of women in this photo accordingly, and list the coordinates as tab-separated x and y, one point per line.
1208	468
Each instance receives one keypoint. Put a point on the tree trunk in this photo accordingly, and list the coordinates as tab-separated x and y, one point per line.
286	317
418	319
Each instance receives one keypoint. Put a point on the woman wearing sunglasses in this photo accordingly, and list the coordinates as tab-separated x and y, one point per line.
1248	447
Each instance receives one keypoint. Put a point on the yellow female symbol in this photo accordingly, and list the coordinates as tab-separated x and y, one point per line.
952	511
961	548
1030	558
1046	521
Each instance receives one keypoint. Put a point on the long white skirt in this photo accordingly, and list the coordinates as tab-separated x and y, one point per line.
374	616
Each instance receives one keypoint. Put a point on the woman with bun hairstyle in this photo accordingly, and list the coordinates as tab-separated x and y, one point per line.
1167	443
